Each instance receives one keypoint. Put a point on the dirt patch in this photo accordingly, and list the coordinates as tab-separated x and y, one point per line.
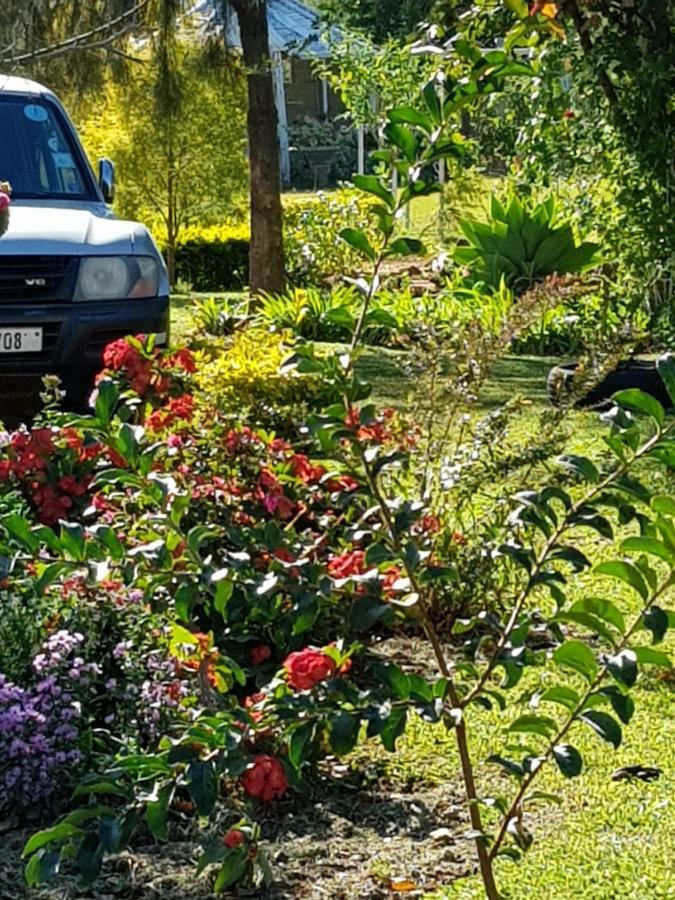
343	842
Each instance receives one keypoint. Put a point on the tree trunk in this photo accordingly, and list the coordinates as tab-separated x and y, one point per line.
266	255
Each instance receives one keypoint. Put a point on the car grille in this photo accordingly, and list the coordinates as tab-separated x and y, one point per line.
37	279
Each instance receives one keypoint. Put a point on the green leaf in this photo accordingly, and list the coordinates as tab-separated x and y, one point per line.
109	834
358	240
664	504
41	867
601	609
51	573
60	832
603	725
656	621
90	857
398	682
648	657
371	184
344	733
563	695
394	727
638	401
402	137
214	853
576	655
99	786
157	812
623	667
519	7
533	725
568	759
408	115
20	529
622	703
433	102
665	366
586	620
202	786
297	743
582	467
233	867
625	572
650	546
406	246
513	768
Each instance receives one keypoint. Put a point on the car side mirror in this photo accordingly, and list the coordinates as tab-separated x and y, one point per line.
106	179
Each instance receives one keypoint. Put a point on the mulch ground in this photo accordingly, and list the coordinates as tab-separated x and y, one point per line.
355	837
343	843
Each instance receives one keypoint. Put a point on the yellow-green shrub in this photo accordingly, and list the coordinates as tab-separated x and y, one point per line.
243	372
214	258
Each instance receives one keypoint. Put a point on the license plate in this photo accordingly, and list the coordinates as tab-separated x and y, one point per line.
20	340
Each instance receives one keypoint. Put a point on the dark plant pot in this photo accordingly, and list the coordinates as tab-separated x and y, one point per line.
633	373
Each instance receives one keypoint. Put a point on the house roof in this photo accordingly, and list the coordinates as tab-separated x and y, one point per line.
293	27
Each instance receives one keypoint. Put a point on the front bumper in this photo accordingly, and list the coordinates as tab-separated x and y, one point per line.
74	335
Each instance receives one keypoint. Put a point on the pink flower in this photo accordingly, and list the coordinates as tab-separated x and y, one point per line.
4	202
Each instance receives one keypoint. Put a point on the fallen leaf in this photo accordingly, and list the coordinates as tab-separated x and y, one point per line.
402	887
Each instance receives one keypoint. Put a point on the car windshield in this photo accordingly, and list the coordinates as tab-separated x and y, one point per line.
37	155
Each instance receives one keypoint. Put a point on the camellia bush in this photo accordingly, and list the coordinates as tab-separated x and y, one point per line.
223	586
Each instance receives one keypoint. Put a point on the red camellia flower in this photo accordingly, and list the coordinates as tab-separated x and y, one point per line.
234	838
308	667
568	114
351	562
260	653
265	778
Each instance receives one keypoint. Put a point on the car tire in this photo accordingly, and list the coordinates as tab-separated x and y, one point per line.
634	373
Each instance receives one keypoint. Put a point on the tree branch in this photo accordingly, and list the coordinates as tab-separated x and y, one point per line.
88	40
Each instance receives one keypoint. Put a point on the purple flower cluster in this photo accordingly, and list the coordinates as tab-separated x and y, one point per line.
39	724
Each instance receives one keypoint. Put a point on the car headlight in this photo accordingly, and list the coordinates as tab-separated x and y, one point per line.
117	278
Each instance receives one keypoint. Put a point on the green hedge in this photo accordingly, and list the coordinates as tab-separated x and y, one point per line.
220	265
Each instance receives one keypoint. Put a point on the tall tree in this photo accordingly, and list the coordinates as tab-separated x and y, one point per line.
266	261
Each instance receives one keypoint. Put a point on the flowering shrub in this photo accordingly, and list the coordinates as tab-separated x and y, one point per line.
39	725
